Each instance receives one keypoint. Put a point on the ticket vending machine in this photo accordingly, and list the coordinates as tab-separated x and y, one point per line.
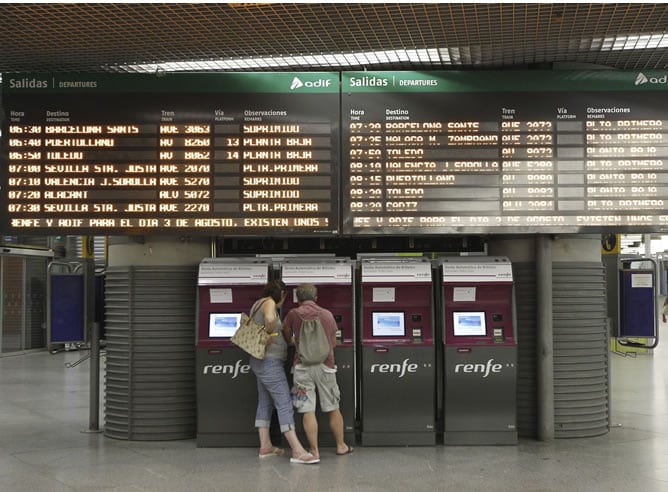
334	280
480	351
398	384
226	386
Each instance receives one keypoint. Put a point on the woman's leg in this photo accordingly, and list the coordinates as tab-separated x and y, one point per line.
276	383
298	450
265	407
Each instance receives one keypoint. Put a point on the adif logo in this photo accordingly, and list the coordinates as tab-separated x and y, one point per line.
297	83
485	369
643	79
234	370
401	369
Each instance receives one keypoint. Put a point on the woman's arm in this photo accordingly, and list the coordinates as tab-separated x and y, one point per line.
270	318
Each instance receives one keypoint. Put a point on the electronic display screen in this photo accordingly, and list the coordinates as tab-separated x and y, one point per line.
239	154
469	323
321	154
223	325
513	151
388	324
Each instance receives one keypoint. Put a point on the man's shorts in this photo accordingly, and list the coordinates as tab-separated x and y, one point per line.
306	380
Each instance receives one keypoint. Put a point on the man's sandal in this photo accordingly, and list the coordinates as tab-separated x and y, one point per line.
347	451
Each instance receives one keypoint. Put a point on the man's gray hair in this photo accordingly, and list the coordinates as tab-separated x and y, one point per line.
307	292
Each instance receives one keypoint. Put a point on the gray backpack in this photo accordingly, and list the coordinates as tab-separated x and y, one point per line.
313	344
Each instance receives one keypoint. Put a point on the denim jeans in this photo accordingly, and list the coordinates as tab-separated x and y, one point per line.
272	392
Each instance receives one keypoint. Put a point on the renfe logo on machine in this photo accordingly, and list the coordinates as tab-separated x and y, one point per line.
484	369
234	370
402	368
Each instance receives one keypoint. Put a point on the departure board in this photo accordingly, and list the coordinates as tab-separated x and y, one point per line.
322	154
245	154
512	151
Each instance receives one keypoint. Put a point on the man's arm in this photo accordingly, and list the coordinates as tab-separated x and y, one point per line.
329	323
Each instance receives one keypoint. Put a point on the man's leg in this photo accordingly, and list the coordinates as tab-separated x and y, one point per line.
305	404
311	428
330	396
336	426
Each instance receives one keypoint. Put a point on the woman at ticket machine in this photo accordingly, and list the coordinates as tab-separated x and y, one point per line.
273	390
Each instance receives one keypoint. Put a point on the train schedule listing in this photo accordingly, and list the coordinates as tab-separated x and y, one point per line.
536	151
223	154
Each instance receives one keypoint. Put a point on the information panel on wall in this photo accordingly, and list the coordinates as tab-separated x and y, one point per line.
512	151
220	154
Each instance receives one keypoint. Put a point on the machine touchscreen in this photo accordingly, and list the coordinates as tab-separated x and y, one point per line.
388	325
223	325
469	323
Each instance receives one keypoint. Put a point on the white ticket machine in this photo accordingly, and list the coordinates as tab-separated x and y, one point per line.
226	386
480	351
398	384
334	279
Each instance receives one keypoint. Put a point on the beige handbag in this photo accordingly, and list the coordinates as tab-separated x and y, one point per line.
251	336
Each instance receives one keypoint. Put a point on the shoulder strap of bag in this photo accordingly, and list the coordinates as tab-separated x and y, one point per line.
303	319
257	308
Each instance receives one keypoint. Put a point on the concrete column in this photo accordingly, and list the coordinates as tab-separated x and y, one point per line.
545	251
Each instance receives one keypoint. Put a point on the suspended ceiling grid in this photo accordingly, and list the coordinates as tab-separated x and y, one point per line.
131	37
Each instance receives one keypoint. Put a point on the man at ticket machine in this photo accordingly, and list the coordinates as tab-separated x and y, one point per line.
311	376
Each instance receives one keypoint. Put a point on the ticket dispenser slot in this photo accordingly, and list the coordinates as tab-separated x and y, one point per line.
480	351
397	354
334	279
226	386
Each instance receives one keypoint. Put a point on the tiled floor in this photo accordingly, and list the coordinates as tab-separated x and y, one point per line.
44	447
